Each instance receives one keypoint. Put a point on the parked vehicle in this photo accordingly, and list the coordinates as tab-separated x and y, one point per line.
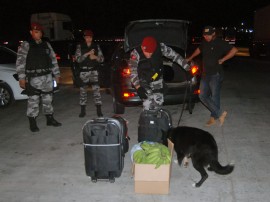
9	85
58	30
56	26
10	89
260	46
183	87
107	49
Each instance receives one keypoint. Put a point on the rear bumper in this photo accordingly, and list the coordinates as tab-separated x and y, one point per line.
173	96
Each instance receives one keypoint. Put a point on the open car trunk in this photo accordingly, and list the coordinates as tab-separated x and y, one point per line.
167	31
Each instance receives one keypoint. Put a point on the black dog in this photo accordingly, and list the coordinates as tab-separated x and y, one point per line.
198	145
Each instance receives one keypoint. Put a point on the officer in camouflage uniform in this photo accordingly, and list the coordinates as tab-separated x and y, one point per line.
36	66
89	55
147	70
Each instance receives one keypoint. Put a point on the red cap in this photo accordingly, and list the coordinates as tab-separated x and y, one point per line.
149	44
36	26
88	32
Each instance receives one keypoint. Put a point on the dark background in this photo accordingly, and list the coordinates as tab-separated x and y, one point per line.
109	17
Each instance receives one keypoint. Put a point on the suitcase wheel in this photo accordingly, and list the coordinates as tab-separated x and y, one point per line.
94	180
112	180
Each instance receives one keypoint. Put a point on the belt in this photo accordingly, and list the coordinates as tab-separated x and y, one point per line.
87	68
38	72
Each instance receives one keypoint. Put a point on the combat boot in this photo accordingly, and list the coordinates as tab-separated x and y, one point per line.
51	121
33	124
83	113
99	113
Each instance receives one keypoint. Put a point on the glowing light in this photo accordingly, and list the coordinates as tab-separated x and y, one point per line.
194	69
126	72
127	95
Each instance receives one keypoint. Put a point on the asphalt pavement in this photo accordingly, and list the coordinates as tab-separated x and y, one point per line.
48	166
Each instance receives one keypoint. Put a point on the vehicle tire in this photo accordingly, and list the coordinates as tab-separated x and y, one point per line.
118	108
6	95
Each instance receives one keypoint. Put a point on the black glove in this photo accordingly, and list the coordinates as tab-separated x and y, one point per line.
142	93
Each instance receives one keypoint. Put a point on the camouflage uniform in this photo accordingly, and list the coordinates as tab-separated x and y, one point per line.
89	75
154	90
43	83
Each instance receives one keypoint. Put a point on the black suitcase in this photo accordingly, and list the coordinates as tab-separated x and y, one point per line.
126	138
152	123
104	153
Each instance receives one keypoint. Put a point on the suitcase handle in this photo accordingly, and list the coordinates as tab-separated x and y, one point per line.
101	120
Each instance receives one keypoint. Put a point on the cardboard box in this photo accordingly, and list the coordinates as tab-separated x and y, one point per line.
149	180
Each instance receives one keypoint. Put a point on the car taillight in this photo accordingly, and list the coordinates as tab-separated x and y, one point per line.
194	70
196	92
126	72
127	95
57	56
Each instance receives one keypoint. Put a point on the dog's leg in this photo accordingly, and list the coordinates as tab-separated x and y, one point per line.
180	157
201	170
185	161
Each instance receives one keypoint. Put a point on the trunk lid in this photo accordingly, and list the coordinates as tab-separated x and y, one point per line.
168	31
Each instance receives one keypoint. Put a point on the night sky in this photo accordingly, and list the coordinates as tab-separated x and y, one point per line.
109	17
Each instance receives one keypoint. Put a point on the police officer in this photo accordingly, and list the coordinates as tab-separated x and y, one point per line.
36	66
147	70
89	55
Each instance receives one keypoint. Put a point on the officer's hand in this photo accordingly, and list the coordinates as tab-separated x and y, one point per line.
22	83
186	64
142	93
93	57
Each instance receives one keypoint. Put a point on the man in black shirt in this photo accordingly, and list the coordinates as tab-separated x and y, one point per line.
215	52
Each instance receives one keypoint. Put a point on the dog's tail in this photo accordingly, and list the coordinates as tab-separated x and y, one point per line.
219	169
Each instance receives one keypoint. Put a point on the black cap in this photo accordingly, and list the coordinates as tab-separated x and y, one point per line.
208	30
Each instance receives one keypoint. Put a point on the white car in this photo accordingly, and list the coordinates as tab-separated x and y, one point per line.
9	84
10	89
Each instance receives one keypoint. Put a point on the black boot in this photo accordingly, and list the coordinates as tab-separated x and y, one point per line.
33	124
99	113
82	114
51	121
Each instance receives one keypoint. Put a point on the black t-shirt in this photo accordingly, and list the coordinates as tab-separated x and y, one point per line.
211	52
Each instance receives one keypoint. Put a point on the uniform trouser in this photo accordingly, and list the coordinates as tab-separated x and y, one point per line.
45	84
92	78
210	87
154	99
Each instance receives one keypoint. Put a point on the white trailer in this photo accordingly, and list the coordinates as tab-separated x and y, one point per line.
57	26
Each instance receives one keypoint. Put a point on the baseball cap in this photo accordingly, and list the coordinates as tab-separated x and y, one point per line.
208	30
149	44
36	26
88	32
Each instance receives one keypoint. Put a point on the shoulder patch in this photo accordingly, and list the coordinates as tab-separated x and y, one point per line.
133	57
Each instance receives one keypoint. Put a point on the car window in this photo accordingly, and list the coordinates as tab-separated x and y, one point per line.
6	56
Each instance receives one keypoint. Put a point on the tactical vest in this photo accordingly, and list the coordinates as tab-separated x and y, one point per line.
150	69
38	61
88	62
